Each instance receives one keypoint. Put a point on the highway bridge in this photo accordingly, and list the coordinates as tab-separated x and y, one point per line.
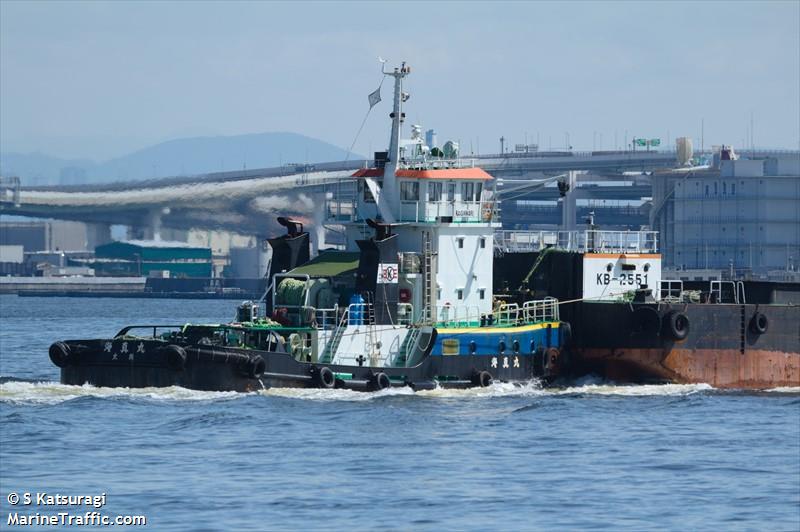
248	201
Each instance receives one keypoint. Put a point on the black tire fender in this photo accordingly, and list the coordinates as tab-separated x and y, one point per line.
539	360
381	381
551	356
677	324
60	354
256	367
483	379
645	320
566	333
326	378
759	323
176	357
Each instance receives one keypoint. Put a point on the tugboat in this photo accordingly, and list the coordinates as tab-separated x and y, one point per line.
409	301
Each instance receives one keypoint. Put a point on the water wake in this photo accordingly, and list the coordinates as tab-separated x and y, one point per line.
48	393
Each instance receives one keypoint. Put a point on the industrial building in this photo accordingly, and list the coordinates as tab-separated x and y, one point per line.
152	258
741	216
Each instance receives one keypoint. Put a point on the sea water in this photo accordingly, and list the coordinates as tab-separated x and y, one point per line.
585	455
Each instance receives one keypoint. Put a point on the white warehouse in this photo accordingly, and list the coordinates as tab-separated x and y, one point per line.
744	216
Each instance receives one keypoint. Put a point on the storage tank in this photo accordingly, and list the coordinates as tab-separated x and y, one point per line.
430	139
683	146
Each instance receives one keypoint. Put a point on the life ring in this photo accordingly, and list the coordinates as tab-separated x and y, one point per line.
487	212
759	323
60	354
256	367
326	378
483	379
677	324
176	357
380	381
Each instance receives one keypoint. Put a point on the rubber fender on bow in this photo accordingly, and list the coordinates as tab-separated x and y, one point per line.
645	320
539	360
60	354
759	323
176	357
256	367
551	356
326	378
380	381
566	333
483	379
677	324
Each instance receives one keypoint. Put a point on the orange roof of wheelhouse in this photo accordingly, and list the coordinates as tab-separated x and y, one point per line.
447	173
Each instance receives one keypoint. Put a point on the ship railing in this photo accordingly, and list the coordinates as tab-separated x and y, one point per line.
455	316
539	310
435	163
586	241
326	318
670	290
735	292
360	314
405	314
168	330
507	314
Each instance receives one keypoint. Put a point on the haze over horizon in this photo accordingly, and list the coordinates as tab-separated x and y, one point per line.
98	80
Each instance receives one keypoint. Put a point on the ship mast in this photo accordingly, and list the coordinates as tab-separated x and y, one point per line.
397	116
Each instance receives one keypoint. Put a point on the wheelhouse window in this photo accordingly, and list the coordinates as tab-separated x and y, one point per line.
434	191
451	191
471	191
460	293
409	190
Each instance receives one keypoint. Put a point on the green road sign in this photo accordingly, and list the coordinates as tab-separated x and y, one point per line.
655	142
641	142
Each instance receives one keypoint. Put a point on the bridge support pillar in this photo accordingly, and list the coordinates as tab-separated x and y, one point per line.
568	203
317	230
97	234
150	229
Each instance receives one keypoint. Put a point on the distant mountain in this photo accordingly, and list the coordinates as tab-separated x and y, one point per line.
41	169
188	156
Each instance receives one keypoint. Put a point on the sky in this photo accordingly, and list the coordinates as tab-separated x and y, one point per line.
102	79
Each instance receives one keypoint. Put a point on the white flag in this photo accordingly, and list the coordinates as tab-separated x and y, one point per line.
374	97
